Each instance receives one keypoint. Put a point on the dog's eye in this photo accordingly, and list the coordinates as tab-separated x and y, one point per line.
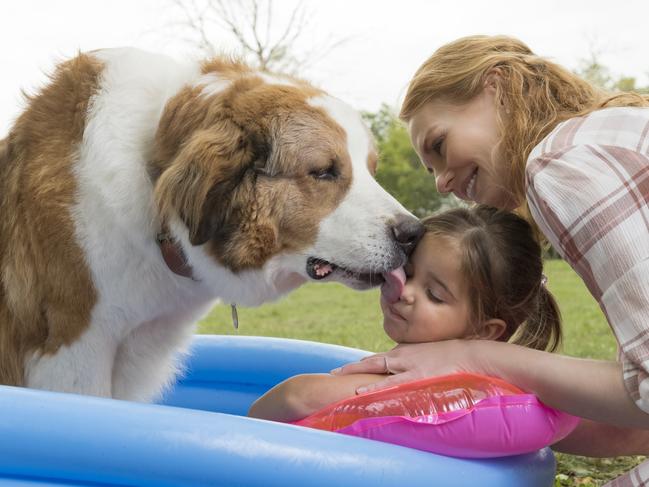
327	174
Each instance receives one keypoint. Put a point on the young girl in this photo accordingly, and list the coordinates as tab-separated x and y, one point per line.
497	124
476	273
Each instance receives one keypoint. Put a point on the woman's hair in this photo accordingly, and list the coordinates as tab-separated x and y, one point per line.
502	266
536	94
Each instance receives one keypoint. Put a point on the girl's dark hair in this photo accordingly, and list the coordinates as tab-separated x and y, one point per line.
503	267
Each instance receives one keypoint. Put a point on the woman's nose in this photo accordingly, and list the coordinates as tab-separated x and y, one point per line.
444	181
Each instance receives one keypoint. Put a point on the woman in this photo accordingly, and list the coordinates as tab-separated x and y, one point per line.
498	125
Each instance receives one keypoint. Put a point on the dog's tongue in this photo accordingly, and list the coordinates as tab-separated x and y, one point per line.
392	288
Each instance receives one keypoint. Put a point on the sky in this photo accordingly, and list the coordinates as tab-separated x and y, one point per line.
384	41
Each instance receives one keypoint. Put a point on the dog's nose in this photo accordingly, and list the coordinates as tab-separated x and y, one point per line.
407	231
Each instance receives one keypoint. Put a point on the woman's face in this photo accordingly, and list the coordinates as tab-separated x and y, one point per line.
434	304
459	145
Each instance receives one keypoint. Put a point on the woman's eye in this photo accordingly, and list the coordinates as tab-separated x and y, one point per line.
436	146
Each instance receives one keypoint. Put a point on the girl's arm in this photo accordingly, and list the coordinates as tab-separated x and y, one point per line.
302	395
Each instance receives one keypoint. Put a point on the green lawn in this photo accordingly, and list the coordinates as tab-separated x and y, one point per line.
332	313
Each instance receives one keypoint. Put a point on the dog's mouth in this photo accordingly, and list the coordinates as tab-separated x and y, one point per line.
319	269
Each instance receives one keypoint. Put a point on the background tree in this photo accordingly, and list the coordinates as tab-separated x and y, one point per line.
400	172
593	70
263	38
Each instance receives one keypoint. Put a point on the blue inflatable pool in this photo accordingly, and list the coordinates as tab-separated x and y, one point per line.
198	436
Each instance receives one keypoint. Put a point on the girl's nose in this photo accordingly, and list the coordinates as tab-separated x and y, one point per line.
444	181
407	295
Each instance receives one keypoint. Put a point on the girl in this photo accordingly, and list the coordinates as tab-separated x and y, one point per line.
476	273
497	124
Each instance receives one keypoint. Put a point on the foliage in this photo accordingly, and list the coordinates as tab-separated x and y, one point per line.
599	75
590	472
400	172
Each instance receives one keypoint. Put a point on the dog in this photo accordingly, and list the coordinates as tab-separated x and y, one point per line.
135	190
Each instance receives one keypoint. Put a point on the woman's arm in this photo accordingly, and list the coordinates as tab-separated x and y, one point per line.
601	232
302	395
592	389
586	440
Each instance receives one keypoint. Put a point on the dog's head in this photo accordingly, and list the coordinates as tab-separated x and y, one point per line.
271	177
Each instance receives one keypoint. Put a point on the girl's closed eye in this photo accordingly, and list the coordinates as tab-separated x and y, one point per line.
434	297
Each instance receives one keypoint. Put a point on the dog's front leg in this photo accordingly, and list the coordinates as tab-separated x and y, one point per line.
83	367
149	358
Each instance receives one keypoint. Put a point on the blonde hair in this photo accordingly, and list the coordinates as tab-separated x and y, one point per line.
537	94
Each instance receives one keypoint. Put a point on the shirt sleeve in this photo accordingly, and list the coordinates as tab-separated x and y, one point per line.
592	204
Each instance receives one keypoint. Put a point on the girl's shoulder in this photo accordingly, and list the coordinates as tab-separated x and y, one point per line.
625	127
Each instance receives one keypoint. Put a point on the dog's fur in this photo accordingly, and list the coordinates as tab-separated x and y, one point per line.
251	174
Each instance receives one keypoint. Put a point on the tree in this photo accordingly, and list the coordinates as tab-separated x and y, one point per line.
599	75
400	172
264	39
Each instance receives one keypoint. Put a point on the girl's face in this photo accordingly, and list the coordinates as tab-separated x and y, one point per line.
434	304
459	145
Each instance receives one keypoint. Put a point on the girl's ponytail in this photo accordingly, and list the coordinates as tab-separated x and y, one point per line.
542	328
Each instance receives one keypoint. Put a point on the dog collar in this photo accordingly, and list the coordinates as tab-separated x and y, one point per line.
176	260
173	254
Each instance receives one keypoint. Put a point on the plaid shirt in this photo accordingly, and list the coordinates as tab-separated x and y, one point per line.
588	190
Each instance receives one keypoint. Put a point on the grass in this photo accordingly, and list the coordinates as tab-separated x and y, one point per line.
331	313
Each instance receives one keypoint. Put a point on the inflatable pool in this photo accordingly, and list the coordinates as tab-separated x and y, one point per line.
198	437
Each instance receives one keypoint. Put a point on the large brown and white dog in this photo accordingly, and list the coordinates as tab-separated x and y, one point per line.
135	190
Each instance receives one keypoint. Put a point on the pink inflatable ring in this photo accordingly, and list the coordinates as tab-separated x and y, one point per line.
460	415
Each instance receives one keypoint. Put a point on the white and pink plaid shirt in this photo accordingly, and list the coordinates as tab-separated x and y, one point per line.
588	190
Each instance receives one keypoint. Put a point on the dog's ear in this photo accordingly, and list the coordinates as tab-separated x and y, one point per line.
198	182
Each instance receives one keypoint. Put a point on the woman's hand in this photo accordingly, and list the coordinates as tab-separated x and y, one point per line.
408	362
591	389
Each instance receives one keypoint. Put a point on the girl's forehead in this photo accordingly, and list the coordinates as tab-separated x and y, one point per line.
439	258
437	238
436	248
